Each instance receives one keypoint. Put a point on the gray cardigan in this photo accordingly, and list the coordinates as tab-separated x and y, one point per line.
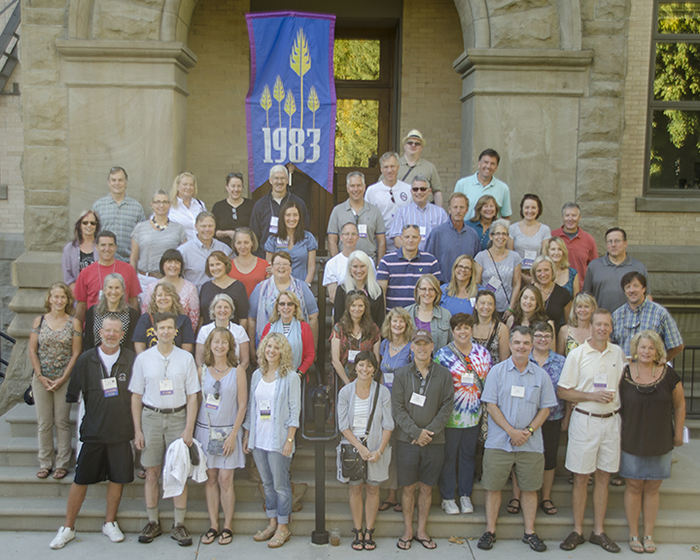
382	420
439	325
71	261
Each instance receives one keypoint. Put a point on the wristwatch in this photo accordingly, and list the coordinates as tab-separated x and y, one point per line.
530	429
290	440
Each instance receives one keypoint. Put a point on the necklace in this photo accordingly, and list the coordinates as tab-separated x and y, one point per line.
653	375
221	370
548	292
158	226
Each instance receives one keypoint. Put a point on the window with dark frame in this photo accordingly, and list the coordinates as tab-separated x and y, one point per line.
673	137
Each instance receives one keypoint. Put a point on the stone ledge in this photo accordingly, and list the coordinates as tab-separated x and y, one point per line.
669	259
680	204
37	269
126	50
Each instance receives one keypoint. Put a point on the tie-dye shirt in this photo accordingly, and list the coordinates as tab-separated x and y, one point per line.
467	408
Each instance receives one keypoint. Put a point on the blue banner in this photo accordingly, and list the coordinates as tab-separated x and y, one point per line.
291	103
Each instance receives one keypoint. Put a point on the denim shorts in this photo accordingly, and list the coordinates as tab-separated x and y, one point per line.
645	468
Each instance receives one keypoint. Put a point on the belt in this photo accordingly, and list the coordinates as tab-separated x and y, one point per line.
165	410
608	415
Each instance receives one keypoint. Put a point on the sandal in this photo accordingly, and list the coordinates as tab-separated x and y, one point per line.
571	479
398	509
649	545
513	508
265	534
387	504
549	510
60	473
617	481
209	536
635	545
403	544
142	475
428	543
226	537
279	539
369	542
43	473
358	543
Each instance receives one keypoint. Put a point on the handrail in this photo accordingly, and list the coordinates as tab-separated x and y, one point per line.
2	360
685	364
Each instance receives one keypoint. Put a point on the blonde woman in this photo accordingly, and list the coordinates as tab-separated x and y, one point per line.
223	405
185	206
565	276
459	295
427	312
485	212
557	301
578	329
271	421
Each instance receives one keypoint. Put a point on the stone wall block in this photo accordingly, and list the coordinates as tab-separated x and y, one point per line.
610	58
46	198
152	4
501	7
597	180
45	168
50	4
604	28
42	16
599	150
34	137
611	9
45	108
42	54
124	21
601	119
607	89
538	29
39	78
606	210
50	227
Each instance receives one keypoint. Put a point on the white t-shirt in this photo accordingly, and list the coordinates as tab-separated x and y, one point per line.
380	195
108	360
265	415
238	332
361	416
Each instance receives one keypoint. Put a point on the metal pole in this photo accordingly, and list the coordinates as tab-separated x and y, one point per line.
320	535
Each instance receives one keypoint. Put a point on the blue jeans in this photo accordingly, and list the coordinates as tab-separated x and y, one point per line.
274	472
460	443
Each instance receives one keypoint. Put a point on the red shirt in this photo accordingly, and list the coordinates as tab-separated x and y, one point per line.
308	352
91	281
582	250
253	278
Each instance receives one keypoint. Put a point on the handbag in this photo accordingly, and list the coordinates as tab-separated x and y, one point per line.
217	437
353	466
483	415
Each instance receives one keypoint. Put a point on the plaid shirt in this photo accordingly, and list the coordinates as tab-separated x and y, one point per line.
121	219
649	315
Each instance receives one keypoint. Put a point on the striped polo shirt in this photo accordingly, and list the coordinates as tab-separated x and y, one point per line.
403	274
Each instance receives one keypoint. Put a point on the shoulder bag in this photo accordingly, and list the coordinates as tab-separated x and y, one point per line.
354	467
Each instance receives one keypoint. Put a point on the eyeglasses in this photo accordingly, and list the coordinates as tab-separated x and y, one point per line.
464	268
286	304
86	223
543	337
217	388
234	176
414	226
281	264
411	143
391	194
356	293
234	213
421	189
161	202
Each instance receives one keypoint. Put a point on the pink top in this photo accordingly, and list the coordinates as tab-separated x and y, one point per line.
189	299
253	278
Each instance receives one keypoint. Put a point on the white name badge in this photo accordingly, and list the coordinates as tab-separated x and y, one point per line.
212	403
109	387
529	258
418	400
388	379
166	386
282	242
493	284
467	379
600	381
423	231
517	391
352	354
362	230
274	224
265	410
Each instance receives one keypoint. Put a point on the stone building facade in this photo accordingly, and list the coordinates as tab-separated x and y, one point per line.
559	87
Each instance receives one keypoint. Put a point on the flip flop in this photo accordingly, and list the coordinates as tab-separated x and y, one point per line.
209	536
226	535
387	504
513	508
398	508
406	544
426	543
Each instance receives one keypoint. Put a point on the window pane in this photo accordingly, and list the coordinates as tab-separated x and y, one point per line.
679	17
356	140
675	150
356	59
677	72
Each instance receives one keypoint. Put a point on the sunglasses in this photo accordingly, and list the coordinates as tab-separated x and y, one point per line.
421	189
410	143
217	389
86	223
286	304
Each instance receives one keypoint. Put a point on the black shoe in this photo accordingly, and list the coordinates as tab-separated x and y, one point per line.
180	534
486	541
603	541
572	541
536	543
150	532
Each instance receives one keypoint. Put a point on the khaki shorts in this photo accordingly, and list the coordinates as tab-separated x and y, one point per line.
528	467
594	443
159	431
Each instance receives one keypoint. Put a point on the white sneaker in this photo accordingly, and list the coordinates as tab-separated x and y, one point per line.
450	507
466	504
113	531
63	537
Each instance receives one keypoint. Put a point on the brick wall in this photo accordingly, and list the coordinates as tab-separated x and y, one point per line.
216	125
644	228
430	88
11	148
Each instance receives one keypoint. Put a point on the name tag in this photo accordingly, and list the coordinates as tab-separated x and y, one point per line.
109	387
274	224
517	391
282	242
352	354
388	379
418	400
212	403
265	410
600	381
493	284
467	379
423	231
529	258
166	386
362	230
